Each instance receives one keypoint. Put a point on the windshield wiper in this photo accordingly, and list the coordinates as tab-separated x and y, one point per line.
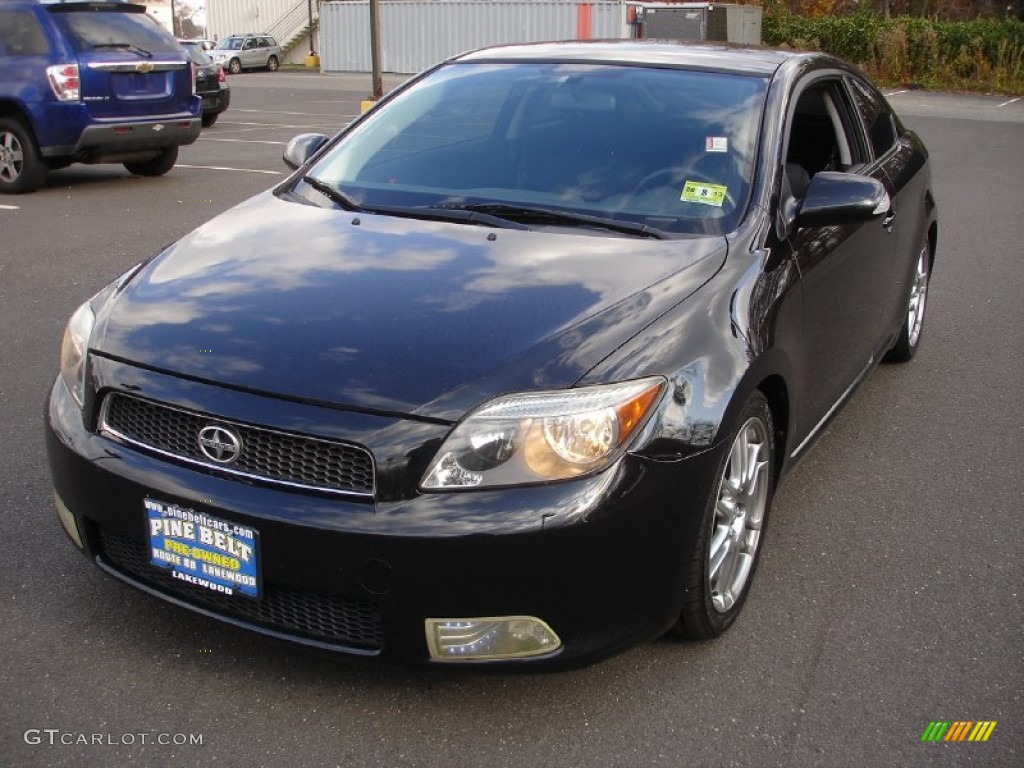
429	213
551	216
332	193
127	47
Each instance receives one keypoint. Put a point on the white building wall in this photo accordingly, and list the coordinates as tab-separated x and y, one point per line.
227	17
418	33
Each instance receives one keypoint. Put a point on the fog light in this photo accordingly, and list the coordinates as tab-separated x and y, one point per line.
489	638
67	520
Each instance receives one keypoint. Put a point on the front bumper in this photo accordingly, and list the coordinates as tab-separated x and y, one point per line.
599	559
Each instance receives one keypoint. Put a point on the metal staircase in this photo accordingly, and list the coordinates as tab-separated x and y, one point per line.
293	26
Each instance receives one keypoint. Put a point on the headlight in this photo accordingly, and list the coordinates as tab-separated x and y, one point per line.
73	349
536	437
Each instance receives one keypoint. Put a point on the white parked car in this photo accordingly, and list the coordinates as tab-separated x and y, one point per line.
249	51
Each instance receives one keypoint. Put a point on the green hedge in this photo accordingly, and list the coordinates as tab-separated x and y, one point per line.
984	54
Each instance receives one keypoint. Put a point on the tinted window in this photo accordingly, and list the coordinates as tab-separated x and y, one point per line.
21	35
91	30
669	148
878	118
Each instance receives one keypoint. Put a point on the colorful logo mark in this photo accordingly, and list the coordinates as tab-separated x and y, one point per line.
958	730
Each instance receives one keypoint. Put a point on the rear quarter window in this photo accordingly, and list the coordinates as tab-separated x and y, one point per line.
21	35
88	30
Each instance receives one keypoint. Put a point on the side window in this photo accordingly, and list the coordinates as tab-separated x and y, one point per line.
21	35
250	43
821	136
878	118
265	42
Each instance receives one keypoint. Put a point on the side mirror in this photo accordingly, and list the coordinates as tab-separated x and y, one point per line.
841	198
301	148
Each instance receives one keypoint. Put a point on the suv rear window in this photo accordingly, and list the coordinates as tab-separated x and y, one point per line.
88	30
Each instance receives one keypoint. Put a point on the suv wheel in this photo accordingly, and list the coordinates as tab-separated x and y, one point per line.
21	167
272	64
157	166
234	66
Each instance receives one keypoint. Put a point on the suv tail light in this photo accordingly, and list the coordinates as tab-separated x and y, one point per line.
220	74
64	81
192	76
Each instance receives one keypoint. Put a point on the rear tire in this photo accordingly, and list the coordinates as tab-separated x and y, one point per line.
906	345
22	169
235	67
158	166
209	120
272	64
721	566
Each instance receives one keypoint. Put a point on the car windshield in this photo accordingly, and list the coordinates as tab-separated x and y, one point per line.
670	149
93	29
196	54
230	44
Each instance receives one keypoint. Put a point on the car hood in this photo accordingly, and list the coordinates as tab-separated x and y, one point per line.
391	314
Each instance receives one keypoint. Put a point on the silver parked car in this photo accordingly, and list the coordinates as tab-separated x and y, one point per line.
249	51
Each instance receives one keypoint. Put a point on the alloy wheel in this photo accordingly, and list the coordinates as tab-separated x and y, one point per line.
739	514
918	296
12	157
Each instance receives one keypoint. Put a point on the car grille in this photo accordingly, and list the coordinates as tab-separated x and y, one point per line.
352	623
266	454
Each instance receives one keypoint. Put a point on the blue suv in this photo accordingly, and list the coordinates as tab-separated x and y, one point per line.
90	82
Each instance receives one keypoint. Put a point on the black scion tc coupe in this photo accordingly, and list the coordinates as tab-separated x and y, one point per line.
508	370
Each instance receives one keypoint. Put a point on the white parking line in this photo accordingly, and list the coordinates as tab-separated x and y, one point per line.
284	125
244	141
9	207
896	93
279	112
225	168
1007	103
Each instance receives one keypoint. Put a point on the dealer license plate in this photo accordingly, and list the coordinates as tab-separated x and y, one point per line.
203	550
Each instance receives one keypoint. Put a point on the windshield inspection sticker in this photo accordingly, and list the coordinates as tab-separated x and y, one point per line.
716	144
705	194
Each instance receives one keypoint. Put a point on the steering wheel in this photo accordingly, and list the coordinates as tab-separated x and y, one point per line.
675	172
647	182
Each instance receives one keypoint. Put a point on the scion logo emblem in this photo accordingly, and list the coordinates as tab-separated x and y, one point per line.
144	67
220	444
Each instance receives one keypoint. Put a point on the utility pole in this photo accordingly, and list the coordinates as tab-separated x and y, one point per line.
309	7
378	82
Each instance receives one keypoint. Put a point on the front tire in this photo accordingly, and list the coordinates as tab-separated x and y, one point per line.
724	557
272	64
910	335
235	66
157	166
22	169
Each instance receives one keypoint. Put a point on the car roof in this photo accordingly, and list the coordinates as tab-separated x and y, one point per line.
666	53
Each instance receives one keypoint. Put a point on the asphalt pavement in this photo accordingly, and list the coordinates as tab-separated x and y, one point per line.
888	596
